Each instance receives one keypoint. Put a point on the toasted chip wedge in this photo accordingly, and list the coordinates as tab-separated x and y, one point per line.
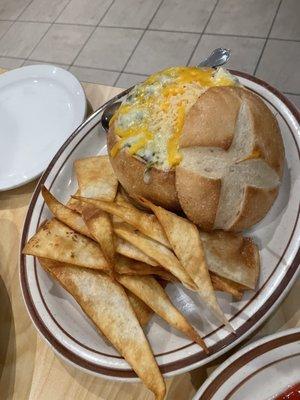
186	243
100	226
150	291
232	256
105	302
144	222
56	241
161	254
227	286
96	178
75	204
124	201
130	251
128	266
141	310
64	214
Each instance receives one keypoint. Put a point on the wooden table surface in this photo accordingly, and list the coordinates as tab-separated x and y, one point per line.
29	369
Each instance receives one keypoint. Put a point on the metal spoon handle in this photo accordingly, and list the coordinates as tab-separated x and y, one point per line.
217	58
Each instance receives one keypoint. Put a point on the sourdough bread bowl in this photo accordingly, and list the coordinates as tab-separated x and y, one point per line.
196	141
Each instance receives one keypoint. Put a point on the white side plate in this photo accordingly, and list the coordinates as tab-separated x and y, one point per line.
261	370
40	106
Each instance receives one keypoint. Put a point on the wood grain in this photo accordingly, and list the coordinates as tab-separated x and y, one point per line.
29	369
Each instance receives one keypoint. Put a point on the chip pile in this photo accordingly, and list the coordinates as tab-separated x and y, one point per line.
115	260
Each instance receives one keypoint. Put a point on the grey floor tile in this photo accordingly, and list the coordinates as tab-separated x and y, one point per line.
158	50
126	80
130	13
42	11
295	99
94	75
21	38
11	9
62	43
10	63
243	17
245	51
108	48
84	11
286	25
34	62
178	15
4	25
275	69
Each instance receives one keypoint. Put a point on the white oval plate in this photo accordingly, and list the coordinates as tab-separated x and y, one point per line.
40	106
261	370
60	320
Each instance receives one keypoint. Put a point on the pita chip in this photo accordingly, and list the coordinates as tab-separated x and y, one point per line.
150	291
56	241
128	266
127	249
65	214
105	302
161	254
146	223
186	243
96	178
100	226
142	311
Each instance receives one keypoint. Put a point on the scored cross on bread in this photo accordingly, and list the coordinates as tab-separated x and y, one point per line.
232	160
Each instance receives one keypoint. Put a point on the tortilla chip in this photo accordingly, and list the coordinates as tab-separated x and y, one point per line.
150	291
75	204
227	286
161	254
127	249
105	302
128	266
96	178
64	214
123	198
100	226
232	256
144	222
124	201
56	241
186	243
141	310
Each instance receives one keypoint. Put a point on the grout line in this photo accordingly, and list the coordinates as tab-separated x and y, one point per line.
47	30
201	34
139	41
23	10
7	29
266	41
157	30
95	27
95	68
61	23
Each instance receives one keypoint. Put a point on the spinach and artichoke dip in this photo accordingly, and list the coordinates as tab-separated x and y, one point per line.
150	120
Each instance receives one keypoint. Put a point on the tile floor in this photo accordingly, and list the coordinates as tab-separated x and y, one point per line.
119	42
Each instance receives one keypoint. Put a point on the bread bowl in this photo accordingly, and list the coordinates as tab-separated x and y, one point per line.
195	140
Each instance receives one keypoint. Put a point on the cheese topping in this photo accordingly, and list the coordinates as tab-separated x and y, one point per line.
150	120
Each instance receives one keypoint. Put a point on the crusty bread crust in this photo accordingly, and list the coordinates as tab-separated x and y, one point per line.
197	132
198	197
130	172
211	122
256	204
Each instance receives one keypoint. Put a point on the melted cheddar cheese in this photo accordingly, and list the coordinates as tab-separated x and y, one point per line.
150	121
